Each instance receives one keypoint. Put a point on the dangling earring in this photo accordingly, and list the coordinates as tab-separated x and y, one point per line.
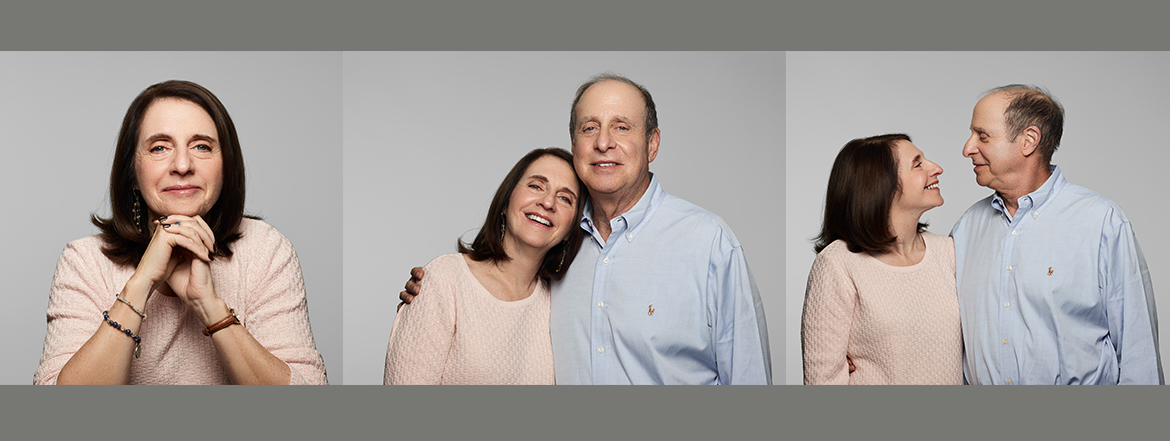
564	251
137	212
503	225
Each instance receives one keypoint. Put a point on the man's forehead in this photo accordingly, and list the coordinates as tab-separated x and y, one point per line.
611	95
990	108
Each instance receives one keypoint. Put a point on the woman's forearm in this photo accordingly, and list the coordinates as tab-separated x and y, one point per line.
105	357
244	359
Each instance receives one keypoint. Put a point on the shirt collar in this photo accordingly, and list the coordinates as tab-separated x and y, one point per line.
638	213
1037	198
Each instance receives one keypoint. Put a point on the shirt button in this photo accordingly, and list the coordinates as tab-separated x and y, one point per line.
1013	232
1009	268
605	260
600	304
1009	381
600	350
1005	341
1035	213
629	236
1007	304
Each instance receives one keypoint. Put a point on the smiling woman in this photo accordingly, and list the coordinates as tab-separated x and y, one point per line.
177	203
881	305
484	318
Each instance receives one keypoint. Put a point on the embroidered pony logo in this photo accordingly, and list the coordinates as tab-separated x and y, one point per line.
651	311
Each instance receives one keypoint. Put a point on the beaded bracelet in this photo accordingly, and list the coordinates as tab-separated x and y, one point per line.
127	302
128	332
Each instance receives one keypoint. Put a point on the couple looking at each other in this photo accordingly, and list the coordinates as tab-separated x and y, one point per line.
1042	282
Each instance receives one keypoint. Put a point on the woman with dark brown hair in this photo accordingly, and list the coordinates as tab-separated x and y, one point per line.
223	292
484	318
881	305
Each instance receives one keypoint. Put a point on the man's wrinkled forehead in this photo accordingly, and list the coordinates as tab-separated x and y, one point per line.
610	96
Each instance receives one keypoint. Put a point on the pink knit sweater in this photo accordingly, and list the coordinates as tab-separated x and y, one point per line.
262	281
899	325
456	332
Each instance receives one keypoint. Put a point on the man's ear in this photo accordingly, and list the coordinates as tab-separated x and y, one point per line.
1031	143
655	136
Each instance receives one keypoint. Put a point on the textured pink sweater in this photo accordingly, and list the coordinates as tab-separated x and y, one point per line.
262	281
899	325
456	332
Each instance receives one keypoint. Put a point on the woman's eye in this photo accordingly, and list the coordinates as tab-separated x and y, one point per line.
203	147
534	186
567	200
156	149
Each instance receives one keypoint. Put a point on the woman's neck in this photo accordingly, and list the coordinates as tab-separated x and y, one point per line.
909	246
513	279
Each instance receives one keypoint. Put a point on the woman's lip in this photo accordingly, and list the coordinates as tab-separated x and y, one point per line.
181	189
538	223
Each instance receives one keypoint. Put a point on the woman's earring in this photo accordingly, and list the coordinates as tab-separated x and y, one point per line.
503	226
564	251
137	212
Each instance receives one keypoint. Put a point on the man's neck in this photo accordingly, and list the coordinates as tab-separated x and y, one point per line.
1028	184
609	206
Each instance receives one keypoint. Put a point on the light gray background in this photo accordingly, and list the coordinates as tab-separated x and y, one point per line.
429	137
1113	143
60	118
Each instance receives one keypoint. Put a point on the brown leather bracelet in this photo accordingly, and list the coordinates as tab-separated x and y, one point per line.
231	319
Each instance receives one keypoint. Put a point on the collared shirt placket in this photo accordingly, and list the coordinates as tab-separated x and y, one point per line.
1008	316
601	330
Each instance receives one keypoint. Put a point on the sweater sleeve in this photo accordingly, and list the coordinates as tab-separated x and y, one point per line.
829	304
424	330
76	301
279	316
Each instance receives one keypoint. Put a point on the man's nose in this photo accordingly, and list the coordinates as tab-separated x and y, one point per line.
604	141
969	148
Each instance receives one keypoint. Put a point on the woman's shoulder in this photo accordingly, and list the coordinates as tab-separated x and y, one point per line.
256	234
836	257
257	228
945	242
943	249
87	244
838	250
446	265
86	248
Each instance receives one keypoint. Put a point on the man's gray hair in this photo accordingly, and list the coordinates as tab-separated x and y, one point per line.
1031	105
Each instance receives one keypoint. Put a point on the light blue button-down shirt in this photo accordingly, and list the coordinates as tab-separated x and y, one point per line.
668	299
1057	294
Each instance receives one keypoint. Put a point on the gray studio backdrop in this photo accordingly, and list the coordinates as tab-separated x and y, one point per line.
429	137
59	116
1113	143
